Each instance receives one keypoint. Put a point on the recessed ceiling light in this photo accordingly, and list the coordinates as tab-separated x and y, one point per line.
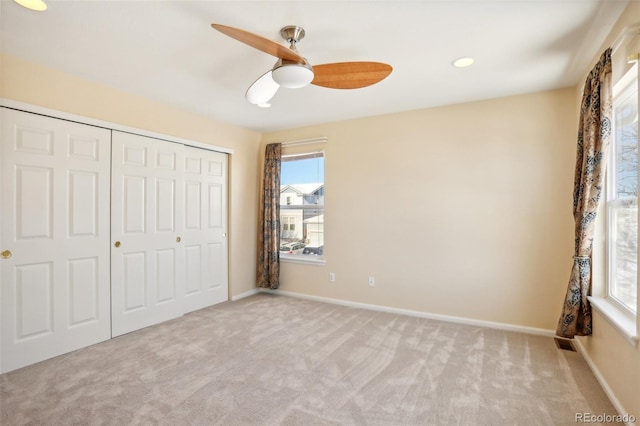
37	5
463	62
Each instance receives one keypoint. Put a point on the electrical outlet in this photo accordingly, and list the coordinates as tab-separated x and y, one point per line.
372	282
332	277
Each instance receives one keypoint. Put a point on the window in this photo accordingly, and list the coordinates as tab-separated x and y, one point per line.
288	223
622	195
302	205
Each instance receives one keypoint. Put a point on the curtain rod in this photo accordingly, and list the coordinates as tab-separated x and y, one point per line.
322	139
632	31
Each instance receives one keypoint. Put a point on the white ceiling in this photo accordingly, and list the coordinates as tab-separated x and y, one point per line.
168	52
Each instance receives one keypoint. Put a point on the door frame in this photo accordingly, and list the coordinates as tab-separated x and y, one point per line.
35	109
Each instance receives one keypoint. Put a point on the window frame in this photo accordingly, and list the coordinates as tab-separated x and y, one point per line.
626	83
299	258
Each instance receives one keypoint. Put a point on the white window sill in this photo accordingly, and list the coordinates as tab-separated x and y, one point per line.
621	321
309	260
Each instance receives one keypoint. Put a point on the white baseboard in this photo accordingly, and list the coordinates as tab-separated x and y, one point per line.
439	317
605	386
245	294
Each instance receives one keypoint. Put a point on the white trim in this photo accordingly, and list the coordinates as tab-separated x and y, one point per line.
35	109
606	302
321	139
624	324
419	314
622	37
318	261
307	154
245	294
605	386
629	79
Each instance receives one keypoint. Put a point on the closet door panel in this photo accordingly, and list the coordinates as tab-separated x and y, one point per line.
147	251
54	236
205	228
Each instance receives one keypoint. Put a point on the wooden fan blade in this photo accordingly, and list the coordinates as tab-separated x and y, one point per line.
260	43
350	75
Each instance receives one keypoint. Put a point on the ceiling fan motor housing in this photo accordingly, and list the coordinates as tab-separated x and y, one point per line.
292	74
292	33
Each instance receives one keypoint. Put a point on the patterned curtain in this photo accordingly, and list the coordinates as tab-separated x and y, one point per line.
269	235
594	134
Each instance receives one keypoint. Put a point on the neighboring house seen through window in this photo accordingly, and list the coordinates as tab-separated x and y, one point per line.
302	205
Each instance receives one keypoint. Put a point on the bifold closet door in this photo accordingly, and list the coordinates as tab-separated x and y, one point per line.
205	230
147	255
54	264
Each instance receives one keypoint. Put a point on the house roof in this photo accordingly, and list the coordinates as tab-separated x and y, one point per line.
315	219
302	188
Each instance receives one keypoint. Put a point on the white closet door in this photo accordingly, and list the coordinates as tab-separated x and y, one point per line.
54	237
147	255
205	228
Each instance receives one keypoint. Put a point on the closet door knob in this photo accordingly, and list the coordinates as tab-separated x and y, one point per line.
117	244
6	254
178	239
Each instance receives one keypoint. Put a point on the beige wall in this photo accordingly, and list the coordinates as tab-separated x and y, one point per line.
462	210
615	358
31	83
617	361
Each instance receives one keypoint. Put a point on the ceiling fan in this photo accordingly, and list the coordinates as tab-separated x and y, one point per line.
293	71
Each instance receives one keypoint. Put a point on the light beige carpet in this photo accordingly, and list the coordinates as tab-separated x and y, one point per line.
277	360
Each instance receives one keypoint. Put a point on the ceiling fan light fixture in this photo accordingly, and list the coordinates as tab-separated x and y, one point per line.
262	90
37	5
293	76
